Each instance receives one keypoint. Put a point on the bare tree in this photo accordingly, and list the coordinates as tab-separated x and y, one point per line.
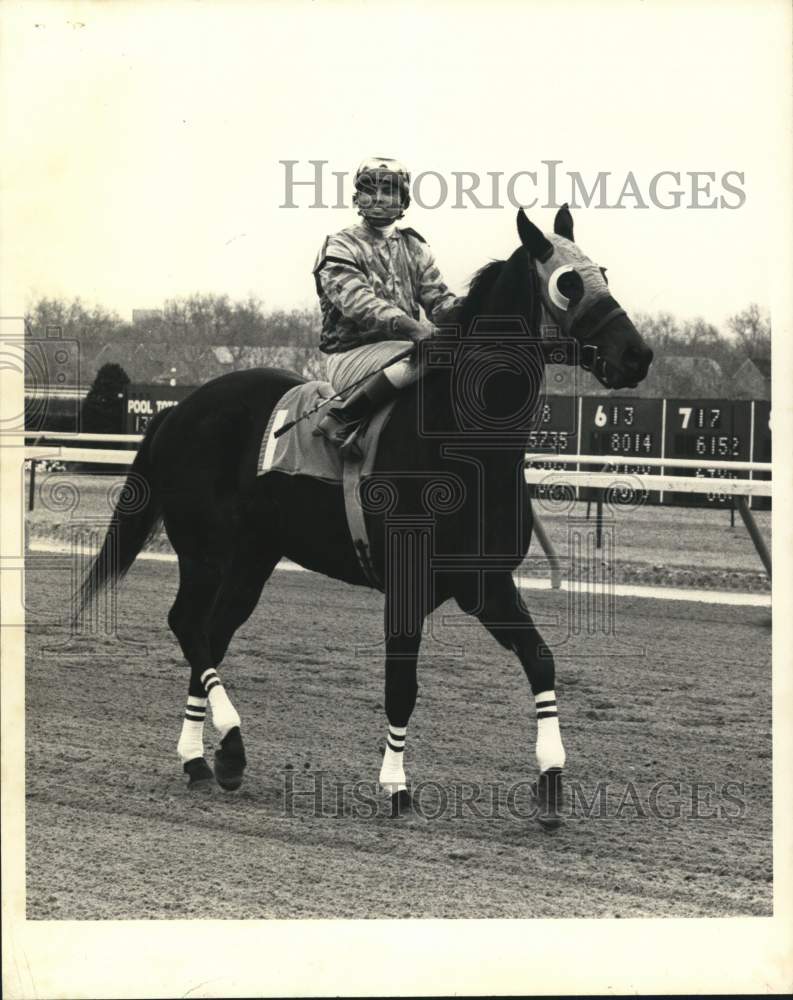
660	330
752	330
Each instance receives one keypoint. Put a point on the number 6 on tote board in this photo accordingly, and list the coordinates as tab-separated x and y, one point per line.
621	427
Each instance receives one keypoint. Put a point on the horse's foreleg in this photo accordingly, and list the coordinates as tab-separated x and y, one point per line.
506	617
230	758
400	699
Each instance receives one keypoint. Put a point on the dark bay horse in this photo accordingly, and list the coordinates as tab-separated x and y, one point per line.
447	508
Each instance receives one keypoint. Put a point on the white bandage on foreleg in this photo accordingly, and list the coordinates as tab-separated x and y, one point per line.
191	740
550	751
392	773
224	714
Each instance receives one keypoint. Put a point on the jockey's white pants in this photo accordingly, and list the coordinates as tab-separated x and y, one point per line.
349	366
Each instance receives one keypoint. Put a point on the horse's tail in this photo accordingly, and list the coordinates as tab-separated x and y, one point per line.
137	516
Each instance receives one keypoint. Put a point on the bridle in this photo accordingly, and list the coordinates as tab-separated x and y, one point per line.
603	312
599	314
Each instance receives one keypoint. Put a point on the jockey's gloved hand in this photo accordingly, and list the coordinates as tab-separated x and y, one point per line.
410	329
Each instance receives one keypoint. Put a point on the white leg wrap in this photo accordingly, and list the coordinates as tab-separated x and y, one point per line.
392	773
224	714
191	740
550	751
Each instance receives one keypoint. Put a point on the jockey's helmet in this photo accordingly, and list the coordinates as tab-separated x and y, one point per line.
382	190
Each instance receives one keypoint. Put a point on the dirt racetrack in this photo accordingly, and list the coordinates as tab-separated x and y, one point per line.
666	724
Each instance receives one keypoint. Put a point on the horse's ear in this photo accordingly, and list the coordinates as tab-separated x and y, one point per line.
563	223
532	238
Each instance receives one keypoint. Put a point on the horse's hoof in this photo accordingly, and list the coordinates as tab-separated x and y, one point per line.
230	761
199	773
401	803
548	795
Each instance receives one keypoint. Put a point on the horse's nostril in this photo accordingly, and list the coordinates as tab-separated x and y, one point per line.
637	359
632	359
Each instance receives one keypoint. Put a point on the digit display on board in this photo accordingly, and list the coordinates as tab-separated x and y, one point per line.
556	432
711	430
631	427
621	427
761	447
143	401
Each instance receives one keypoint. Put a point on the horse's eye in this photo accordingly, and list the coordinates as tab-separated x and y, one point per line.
565	286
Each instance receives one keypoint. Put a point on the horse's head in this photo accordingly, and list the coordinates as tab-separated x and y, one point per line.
576	298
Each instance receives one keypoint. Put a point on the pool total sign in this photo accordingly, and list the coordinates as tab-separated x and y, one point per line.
143	401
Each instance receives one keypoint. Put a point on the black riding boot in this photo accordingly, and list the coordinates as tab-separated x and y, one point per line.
340	424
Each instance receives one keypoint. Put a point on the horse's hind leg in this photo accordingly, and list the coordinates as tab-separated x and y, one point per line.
239	594
199	586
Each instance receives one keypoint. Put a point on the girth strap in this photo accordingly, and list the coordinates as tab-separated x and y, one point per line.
356	522
354	472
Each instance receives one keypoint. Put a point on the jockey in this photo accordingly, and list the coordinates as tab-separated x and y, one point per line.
371	279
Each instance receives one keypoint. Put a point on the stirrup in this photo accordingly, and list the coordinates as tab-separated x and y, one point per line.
349	448
343	435
334	427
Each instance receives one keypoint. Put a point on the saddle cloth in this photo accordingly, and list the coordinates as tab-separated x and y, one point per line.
300	452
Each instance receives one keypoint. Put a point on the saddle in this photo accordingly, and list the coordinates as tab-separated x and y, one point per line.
300	452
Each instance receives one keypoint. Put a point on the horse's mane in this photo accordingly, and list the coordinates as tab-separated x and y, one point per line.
484	279
526	302
479	288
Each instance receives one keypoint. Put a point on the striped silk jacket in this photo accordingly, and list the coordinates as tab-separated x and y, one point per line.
368	283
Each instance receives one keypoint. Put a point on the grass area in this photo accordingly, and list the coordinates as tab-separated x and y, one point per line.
675	545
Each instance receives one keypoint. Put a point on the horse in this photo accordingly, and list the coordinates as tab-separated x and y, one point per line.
447	507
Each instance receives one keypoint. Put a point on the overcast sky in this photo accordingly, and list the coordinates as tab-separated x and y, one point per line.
142	141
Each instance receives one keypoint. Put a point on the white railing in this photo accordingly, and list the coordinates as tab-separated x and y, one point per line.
716	485
648	463
66	453
68	436
57	453
720	485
